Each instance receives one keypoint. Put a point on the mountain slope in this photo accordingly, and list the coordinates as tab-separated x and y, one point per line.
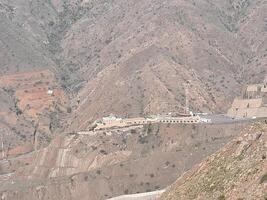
144	56
110	163
238	171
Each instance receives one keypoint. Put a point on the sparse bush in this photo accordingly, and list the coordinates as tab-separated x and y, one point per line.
126	191
69	109
94	148
221	197
124	141
157	187
103	152
54	121
149	128
263	178
51	23
142	139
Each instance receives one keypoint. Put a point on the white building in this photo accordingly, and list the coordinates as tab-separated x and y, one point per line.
50	92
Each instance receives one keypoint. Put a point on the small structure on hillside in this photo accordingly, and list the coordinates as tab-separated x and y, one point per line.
111	119
50	92
256	90
253	104
115	122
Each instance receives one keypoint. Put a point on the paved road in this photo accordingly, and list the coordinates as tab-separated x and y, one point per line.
223	119
142	196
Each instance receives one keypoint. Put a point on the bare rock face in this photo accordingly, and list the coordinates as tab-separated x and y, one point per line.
237	171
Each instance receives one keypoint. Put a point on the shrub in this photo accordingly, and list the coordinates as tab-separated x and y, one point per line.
263	178
149	129
126	191
69	110
221	197
103	152
133	131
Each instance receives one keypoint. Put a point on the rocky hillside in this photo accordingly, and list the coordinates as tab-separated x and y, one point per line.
137	58
111	163
143	58
238	171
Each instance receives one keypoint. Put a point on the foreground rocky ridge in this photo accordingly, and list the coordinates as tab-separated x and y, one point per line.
237	171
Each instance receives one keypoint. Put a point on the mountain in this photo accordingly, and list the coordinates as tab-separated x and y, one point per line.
130	59
141	61
237	171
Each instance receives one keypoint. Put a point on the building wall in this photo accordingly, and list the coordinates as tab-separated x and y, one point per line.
247	112
141	121
247	103
253	88
251	105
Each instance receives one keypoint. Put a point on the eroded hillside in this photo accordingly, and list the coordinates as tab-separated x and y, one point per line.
111	163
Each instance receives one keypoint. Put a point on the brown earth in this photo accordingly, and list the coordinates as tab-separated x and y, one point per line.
31	91
28	107
112	163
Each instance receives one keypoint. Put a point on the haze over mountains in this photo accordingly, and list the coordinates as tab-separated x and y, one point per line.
66	63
